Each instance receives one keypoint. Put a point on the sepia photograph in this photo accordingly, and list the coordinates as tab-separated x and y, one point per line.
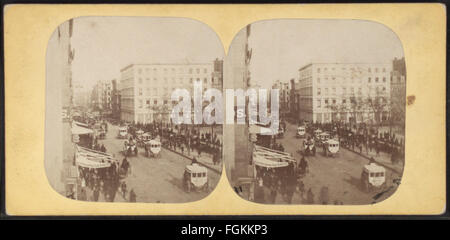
337	131
110	134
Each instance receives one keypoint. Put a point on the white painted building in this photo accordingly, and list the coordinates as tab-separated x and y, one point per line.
355	92
146	89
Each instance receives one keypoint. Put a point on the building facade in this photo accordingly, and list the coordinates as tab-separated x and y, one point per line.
81	96
106	88
146	89
293	107
217	75
398	91
115	100
236	71
284	97
347	92
60	96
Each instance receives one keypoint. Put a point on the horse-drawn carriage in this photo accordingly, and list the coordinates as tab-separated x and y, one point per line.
138	133
301	132
143	138
195	177
309	148
373	176
123	132
332	148
153	148
280	133
100	130
130	148
317	132
322	139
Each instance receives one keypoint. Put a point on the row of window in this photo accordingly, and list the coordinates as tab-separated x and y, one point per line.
344	90
172	70
352	69
154	91
343	101
155	102
369	80
180	80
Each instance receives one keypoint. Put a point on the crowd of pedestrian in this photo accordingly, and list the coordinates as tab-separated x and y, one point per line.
184	139
363	138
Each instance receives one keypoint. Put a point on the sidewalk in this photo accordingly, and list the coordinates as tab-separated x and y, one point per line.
383	159
204	159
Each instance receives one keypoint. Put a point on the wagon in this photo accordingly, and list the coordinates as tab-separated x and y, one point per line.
332	148
301	132
309	147
373	176
123	132
130	148
195	177
142	139
153	148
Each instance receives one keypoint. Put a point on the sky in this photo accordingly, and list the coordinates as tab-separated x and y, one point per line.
281	47
104	45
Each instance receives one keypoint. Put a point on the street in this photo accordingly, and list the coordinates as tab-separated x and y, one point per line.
155	179
341	174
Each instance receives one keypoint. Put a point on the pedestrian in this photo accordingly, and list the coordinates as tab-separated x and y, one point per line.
83	195
310	197
214	158
103	149
273	193
302	165
301	189
194	160
324	195
377	148
123	187
96	192
394	156
132	197
199	150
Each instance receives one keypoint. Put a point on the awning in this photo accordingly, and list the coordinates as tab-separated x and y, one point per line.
76	129
81	124
84	162
263	162
95	155
256	129
272	155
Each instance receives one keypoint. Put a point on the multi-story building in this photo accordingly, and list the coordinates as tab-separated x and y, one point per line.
81	96
101	96
348	92
236	71
115	100
106	88
146	89
398	90
284	97
59	74
217	74
97	97
293	107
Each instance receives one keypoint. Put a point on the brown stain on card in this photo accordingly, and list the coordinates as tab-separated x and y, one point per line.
410	100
